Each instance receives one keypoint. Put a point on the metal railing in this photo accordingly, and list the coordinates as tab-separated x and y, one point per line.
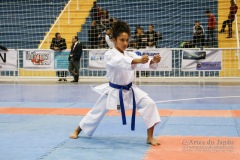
230	68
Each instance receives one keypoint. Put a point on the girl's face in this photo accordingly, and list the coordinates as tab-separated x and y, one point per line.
121	43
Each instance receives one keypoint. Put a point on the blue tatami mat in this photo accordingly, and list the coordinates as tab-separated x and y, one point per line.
47	137
200	106
201	126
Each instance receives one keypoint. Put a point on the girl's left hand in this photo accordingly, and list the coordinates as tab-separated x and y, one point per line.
156	58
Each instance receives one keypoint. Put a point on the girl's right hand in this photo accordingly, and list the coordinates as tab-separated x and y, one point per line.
144	59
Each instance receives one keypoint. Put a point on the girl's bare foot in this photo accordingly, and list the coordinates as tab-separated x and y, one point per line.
150	139
75	134
153	142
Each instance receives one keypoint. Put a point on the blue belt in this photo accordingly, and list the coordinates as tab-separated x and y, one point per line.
127	87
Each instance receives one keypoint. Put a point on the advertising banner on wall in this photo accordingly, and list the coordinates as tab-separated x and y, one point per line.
61	60
38	59
195	60
96	58
166	57
8	60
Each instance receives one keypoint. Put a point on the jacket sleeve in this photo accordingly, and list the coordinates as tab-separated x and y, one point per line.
63	44
52	43
116	60
77	51
157	36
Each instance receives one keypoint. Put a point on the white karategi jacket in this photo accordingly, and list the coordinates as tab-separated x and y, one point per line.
109	42
120	71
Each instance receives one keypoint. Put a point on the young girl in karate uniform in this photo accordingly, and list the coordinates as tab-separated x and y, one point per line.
119	93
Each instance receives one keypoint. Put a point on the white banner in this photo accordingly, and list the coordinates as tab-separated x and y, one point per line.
96	58
38	59
8	60
195	60
166	57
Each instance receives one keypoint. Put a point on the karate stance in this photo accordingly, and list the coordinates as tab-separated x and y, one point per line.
120	65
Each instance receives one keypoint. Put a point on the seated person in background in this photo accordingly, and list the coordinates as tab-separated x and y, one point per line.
150	44
94	35
198	34
231	17
141	42
95	13
58	44
111	22
152	36
141	38
132	41
105	19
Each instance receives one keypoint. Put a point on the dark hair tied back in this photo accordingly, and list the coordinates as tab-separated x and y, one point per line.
120	27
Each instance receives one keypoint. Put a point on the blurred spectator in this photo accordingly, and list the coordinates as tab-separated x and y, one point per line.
211	27
105	20
3	48
100	12
136	30
133	42
58	44
152	36
94	35
109	23
231	17
141	42
198	33
141	38
95	13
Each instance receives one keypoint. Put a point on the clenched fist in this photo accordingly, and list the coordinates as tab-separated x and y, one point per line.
156	58
144	59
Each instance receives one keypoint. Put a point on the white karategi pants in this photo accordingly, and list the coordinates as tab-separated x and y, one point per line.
146	107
